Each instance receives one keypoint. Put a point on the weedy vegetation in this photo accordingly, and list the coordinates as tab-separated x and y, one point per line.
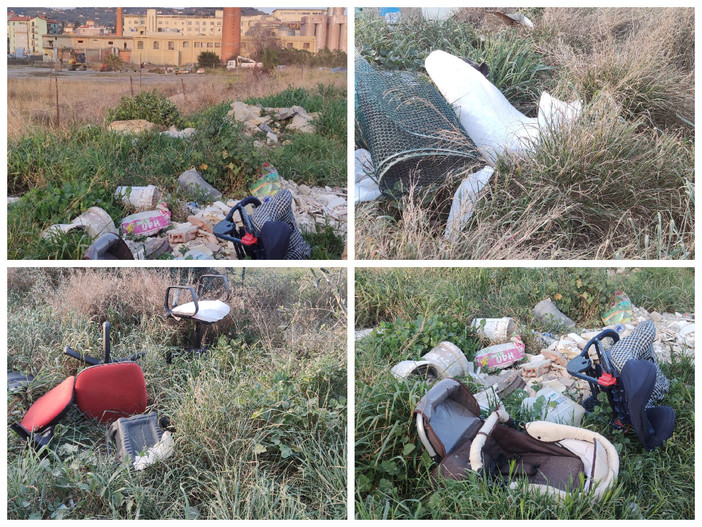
618	183
260	420
412	310
60	172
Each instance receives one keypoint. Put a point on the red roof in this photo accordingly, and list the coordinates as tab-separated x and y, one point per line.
19	19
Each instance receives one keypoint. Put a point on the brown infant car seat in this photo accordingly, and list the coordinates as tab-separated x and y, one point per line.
551	456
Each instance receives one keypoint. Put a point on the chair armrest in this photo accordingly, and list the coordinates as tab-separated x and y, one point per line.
177	288
212	277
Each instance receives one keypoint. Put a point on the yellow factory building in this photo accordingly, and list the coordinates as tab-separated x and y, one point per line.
178	40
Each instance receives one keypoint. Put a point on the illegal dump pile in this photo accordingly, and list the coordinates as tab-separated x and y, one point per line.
258	423
162	185
490	136
447	323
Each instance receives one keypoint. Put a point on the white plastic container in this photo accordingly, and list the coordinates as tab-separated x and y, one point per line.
94	221
496	329
448	359
558	408
141	198
423	368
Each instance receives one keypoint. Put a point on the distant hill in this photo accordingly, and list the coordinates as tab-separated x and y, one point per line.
107	16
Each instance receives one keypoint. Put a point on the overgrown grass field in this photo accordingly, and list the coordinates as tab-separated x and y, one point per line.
415	309
59	173
260	421
618	183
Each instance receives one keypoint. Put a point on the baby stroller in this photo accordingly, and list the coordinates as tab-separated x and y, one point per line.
270	233
552	457
628	374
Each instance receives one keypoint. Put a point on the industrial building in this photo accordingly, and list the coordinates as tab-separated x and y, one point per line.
177	40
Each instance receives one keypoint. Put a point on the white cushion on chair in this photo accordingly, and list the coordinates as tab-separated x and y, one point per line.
208	310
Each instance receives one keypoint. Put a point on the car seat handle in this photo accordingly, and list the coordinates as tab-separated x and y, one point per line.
500	415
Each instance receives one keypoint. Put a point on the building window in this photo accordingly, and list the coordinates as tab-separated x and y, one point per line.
171	45
155	44
197	44
80	42
186	44
110	43
306	45
290	45
209	44
218	44
140	44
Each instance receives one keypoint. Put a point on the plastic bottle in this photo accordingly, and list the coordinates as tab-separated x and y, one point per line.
565	411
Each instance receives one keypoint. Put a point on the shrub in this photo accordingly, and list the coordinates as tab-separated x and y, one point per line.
208	59
149	105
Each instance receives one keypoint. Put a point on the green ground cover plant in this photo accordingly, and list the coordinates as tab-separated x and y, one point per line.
260	421
59	173
618	183
414	309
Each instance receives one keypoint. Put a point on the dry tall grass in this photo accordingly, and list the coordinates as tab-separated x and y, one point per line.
31	102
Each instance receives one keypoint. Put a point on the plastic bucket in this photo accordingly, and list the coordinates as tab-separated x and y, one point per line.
95	221
406	368
448	359
141	198
495	329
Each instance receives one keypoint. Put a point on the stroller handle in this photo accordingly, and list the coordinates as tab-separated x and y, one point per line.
246	220
500	415
581	366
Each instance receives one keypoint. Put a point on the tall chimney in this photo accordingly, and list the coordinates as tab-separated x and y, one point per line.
119	28
231	33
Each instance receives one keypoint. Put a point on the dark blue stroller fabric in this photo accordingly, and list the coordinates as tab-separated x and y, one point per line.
653	425
639	346
275	236
279	209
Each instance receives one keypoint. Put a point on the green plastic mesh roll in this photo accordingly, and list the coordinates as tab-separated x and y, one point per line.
409	129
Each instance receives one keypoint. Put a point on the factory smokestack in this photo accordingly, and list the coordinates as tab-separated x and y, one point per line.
119	28
231	33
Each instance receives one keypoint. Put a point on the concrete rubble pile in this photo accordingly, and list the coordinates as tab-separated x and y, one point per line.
545	373
272	121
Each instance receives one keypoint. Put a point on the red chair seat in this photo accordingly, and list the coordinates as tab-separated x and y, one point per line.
50	407
107	392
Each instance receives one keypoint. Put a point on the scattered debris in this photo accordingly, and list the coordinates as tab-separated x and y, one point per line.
141	198
424	369
147	223
464	200
132	126
179	134
140	439
366	187
555	407
193	182
17	380
448	359
547	312
494	125
109	246
258	119
619	310
497	330
501	355
268	184
94	221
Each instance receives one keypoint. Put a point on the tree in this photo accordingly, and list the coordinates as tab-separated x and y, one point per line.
208	59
